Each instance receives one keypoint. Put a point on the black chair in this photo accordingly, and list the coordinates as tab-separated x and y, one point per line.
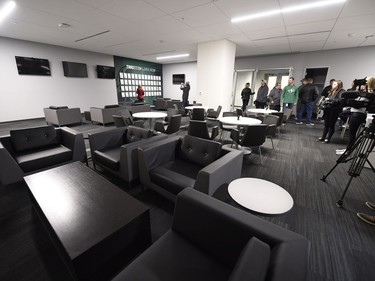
200	129
214	114
173	126
251	136
227	128
119	121
239	112
271	121
129	121
280	121
197	114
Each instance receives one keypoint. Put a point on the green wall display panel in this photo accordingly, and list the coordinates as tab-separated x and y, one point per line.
130	73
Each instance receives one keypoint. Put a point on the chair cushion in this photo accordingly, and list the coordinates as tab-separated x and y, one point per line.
253	262
40	159
109	157
172	258
175	176
136	133
199	151
33	138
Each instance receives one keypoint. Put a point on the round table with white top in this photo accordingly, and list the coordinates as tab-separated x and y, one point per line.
241	121
260	196
150	115
191	107
264	111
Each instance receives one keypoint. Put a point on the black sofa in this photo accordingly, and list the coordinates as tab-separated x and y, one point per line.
116	150
211	240
29	150
174	164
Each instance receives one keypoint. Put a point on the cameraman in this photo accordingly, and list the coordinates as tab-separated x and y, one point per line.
358	115
332	107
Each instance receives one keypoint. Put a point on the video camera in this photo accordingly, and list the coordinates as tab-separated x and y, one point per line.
358	99
359	82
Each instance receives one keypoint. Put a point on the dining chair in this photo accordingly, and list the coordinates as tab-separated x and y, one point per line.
200	129
252	136
173	126
198	114
271	121
227	128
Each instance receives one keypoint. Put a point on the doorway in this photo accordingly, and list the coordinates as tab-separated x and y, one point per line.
241	77
319	76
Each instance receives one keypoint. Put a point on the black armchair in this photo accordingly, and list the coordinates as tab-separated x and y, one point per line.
128	119
172	165
200	129
197	114
214	114
250	136
116	150
211	240
172	127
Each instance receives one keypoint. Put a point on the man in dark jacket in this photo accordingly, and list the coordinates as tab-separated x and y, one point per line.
274	97
261	99
307	96
185	93
245	96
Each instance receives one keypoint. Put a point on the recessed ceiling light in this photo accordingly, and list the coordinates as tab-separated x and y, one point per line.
287	10
172	57
7	9
64	25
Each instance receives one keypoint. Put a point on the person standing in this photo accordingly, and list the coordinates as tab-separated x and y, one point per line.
307	95
328	88
140	93
274	97
289	95
245	95
261	99
332	109
185	93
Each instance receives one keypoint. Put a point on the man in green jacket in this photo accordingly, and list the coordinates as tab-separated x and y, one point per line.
289	96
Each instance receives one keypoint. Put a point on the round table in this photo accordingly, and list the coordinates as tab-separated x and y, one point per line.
150	115
191	107
242	121
260	196
261	111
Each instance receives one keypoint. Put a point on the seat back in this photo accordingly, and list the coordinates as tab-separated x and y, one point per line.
141	108
213	113
134	134
198	114
198	129
254	135
119	121
280	115
270	120
287	113
171	112
174	124
239	112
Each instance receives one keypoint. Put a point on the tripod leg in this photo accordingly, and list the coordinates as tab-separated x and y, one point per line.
340	202
372	167
325	176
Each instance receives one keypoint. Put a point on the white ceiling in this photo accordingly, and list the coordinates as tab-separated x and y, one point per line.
144	29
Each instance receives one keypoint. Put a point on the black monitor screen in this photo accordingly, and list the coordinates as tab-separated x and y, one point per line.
74	69
33	66
106	72
178	78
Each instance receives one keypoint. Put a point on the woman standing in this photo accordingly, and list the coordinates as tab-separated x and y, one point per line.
245	95
332	109
140	93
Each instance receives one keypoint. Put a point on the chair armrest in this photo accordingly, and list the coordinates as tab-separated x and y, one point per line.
10	172
214	132
224	170
96	114
223	231
155	155
51	116
74	141
159	126
129	156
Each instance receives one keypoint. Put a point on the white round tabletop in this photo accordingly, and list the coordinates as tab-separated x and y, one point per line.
149	114
243	121
260	196
261	110
191	107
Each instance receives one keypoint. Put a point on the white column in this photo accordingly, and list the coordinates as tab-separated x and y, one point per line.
215	70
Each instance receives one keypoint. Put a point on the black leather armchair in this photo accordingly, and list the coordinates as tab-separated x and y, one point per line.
211	240
200	129
116	150
172	165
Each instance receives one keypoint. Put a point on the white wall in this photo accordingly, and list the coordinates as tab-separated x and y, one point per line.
173	91
25	96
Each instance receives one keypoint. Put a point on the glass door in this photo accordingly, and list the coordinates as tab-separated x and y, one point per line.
241	77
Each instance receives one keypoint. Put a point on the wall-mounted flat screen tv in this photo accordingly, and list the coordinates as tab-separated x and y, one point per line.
74	69
33	66
106	72
178	78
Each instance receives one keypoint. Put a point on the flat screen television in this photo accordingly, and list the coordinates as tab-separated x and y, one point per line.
33	66
178	78
74	69
105	72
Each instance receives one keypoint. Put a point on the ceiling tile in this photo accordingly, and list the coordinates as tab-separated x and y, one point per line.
271	42
310	27
165	24
307	46
267	33
319	36
220	29
173	6
358	8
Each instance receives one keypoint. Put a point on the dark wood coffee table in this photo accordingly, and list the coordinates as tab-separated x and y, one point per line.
96	227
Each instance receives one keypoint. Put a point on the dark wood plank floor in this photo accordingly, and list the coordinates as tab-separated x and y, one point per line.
342	247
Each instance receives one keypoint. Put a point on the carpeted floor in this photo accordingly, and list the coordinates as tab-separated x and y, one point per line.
342	246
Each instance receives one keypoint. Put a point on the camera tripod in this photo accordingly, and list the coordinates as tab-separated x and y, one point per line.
360	150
